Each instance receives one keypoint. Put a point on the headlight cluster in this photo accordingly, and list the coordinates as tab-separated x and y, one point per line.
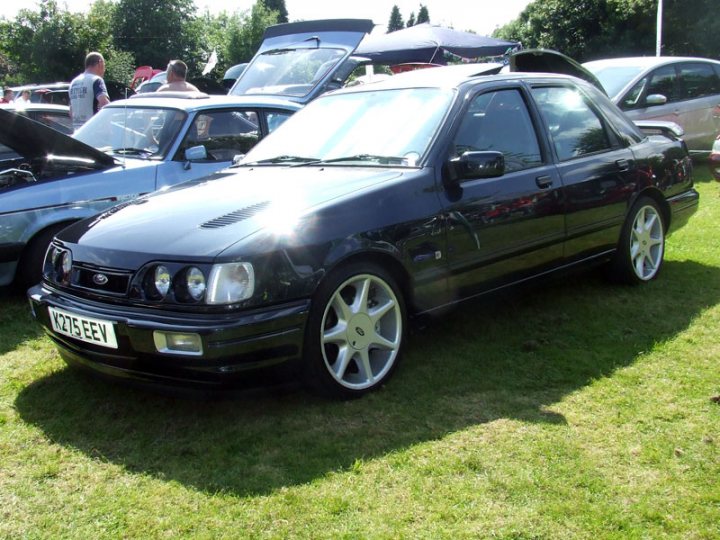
58	264
224	283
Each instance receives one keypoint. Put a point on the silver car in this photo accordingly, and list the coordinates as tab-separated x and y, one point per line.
49	180
681	90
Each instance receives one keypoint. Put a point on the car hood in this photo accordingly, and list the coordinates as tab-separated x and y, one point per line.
33	140
549	61
201	219
343	34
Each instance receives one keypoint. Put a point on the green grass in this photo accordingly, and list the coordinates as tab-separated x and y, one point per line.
572	409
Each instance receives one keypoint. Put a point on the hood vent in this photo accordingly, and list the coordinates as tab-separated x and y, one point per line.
235	216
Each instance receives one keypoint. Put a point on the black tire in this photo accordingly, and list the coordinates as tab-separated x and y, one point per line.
29	270
641	248
349	354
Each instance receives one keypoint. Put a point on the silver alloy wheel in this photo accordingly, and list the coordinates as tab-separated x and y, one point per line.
361	332
647	243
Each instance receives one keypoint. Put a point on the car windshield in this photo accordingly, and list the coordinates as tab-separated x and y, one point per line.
287	72
145	132
613	78
382	127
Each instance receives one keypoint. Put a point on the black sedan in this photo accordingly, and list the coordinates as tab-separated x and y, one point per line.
371	205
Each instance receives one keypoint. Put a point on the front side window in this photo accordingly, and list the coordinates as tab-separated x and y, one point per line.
575	128
224	134
663	81
499	121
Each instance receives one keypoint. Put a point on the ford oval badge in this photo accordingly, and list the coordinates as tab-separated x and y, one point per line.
100	279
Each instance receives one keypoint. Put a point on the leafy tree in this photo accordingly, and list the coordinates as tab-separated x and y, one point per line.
279	6
246	32
423	15
396	20
157	31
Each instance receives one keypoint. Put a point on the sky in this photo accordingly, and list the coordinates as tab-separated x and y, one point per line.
481	16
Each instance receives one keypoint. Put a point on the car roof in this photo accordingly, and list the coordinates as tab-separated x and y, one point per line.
49	86
192	101
646	62
47	107
451	77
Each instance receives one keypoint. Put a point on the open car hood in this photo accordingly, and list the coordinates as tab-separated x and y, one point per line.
342	35
549	61
33	140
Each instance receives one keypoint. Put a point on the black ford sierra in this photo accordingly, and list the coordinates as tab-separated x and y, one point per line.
371	205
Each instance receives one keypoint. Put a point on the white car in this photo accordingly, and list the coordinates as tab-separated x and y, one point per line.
677	89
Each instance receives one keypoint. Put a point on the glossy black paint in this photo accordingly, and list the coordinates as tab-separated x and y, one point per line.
443	239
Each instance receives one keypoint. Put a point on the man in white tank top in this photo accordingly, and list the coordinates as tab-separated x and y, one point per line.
88	93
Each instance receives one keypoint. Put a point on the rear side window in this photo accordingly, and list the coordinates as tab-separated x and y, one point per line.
698	80
575	128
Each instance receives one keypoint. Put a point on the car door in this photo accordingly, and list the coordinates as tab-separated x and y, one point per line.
507	227
598	170
655	96
699	104
222	134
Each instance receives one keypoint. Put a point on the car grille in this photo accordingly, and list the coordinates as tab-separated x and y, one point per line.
235	216
111	282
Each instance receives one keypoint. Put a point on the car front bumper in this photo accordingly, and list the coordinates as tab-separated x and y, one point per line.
233	345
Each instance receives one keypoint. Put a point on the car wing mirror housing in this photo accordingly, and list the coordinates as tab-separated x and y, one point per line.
475	165
655	99
195	153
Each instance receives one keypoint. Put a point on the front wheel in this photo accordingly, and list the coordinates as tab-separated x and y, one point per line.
642	244
355	332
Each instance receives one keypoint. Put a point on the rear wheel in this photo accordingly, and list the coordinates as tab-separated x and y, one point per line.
642	244
355	332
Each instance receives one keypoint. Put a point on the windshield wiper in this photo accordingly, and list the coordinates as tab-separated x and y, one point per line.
284	159
381	160
131	151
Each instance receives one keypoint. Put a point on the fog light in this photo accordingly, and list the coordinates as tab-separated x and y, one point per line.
177	343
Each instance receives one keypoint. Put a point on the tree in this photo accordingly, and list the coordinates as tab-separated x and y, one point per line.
279	6
157	31
396	20
246	32
423	15
411	20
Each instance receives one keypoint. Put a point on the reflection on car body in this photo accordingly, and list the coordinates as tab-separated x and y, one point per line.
313	252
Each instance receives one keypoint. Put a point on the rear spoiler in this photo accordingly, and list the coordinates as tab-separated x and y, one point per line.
660	127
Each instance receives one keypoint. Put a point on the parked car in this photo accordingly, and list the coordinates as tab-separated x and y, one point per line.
55	93
356	214
128	148
54	116
682	90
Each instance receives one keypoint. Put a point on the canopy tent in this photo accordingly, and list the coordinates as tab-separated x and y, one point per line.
428	43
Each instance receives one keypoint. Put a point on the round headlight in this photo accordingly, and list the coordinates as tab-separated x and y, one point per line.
195	284
66	263
162	280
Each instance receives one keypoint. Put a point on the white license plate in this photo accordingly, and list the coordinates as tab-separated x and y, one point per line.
95	331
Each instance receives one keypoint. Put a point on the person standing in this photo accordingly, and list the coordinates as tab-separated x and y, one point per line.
88	93
176	73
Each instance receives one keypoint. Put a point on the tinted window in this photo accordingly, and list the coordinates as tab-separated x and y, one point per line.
500	121
276	119
698	80
224	134
575	128
663	81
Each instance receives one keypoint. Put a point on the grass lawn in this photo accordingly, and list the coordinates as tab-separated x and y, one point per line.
572	409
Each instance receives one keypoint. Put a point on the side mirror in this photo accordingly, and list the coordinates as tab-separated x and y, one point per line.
655	99
475	165
194	153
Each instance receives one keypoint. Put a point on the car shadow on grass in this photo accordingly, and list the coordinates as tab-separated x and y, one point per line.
509	357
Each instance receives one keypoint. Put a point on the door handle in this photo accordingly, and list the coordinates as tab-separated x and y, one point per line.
543	182
623	164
